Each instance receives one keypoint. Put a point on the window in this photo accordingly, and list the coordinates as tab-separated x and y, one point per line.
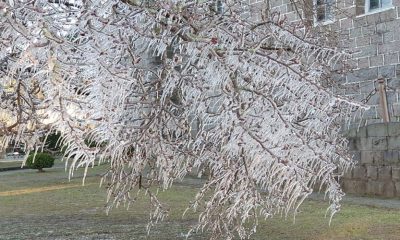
323	10
219	7
374	5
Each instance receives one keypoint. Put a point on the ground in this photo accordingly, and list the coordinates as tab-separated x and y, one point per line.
48	206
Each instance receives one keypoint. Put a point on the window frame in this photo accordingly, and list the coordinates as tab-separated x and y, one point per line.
367	6
329	16
219	7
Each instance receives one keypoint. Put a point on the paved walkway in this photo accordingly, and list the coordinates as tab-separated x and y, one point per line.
40	189
366	201
11	159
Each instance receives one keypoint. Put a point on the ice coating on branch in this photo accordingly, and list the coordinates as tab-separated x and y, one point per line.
161	88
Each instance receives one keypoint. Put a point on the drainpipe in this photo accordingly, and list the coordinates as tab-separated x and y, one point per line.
383	101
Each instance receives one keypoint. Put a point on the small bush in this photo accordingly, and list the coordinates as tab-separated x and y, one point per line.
42	160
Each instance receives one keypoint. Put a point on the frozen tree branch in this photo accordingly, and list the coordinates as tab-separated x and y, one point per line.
163	88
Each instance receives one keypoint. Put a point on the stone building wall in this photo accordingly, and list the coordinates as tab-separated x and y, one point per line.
376	149
374	40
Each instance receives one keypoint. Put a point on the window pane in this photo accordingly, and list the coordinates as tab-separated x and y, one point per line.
329	9
386	3
374	4
321	13
220	7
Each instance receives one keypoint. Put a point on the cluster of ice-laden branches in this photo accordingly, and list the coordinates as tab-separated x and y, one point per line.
159	89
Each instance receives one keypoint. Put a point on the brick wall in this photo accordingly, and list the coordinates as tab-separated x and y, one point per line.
376	149
375	40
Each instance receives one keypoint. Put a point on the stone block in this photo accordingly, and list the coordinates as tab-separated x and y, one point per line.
391	157
374	99
393	84
385	173
348	43
387	71
381	28
363	62
394	129
362	41
359	172
365	144
275	3
375	61
360	21
365	51
396	37
362	75
391	58
351	88
391	96
371	157
388	37
354	186
394	143
374	187
355	32
377	130
362	132
393	26
396	112
339	78
346	23
351	63
367	87
379	143
388	15
396	174
372	172
371	113
378	157
373	143
398	69
388	47
377	39
389	189
357	97
369	30
372	19
397	186
373	120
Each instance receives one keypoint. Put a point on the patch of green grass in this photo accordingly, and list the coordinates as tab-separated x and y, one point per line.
73	212
352	222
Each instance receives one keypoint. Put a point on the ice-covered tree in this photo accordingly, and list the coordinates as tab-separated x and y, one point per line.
161	88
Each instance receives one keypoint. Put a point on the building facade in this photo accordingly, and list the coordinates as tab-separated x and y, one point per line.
370	30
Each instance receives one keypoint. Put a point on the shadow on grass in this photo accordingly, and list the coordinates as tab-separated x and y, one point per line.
48	206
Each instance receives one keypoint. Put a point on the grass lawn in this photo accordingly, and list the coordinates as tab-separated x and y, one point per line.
47	206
